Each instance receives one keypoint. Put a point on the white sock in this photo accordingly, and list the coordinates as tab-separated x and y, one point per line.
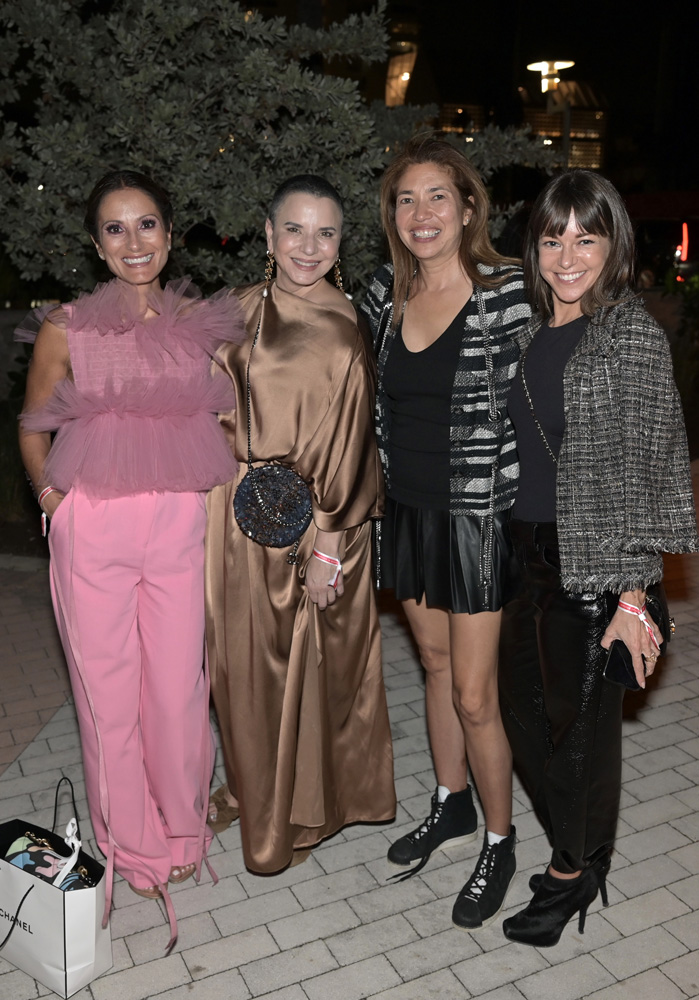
494	838
442	792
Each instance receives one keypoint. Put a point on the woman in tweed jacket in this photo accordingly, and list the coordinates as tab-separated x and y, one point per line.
444	317
604	490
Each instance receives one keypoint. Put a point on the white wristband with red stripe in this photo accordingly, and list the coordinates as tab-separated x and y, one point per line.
45	492
331	561
42	496
640	613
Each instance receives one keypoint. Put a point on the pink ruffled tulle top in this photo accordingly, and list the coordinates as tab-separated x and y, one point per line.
139	414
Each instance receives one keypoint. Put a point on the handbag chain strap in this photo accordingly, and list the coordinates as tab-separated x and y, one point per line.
533	412
253	478
292	557
247	389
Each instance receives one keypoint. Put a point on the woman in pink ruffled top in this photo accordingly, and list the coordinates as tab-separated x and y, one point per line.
124	375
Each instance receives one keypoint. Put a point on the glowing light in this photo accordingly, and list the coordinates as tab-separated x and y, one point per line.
684	248
40	187
548	142
405	77
549	72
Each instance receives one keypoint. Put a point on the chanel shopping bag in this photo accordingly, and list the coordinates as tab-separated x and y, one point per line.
52	897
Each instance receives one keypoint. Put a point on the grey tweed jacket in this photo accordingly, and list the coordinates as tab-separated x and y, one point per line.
623	489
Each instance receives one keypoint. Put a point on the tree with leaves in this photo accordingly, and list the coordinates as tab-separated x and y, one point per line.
217	102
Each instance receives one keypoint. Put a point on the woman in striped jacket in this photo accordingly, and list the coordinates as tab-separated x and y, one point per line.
444	315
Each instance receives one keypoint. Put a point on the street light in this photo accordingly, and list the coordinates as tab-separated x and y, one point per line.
554	105
549	72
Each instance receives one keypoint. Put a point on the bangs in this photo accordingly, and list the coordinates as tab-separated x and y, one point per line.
592	215
598	210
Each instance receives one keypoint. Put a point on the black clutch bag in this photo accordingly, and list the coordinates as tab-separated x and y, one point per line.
619	666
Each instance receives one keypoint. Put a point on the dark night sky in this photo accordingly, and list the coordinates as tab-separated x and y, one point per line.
646	69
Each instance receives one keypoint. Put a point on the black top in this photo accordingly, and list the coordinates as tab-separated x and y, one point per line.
544	364
419	385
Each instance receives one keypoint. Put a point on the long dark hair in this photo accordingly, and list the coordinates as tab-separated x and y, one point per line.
117	180
599	211
476	247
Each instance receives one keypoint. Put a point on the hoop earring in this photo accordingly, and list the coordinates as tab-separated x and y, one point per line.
269	271
338	276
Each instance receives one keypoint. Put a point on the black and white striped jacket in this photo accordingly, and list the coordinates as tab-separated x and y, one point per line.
483	460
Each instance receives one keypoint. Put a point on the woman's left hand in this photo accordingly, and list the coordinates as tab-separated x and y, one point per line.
320	591
634	634
319	573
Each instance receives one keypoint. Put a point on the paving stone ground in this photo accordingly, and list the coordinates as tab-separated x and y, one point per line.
332	928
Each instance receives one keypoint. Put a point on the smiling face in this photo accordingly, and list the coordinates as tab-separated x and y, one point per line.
132	237
571	264
305	240
430	216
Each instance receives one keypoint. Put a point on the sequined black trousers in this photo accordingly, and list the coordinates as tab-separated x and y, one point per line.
563	720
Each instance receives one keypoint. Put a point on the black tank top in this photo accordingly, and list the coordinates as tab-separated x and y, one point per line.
544	364
419	386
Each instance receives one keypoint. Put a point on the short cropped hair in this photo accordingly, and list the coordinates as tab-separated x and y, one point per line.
311	184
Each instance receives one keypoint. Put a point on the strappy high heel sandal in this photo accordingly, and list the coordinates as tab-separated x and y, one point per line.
222	810
553	904
180	873
148	892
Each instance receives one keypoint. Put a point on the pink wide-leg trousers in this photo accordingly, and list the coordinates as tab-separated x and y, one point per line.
127	587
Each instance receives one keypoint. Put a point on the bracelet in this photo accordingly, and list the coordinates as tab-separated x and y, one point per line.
640	613
331	561
45	492
44	517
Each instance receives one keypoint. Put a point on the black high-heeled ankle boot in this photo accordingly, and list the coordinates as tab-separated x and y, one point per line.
601	869
555	901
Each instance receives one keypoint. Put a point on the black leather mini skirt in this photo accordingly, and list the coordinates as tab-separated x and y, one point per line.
438	556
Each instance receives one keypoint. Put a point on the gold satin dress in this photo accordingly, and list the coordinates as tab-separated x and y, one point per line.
299	692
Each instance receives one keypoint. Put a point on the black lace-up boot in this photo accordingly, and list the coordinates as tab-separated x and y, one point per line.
451	822
482	898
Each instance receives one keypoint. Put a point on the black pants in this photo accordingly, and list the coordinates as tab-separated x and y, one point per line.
563	720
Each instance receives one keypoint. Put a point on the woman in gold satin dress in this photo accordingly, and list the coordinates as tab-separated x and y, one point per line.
295	661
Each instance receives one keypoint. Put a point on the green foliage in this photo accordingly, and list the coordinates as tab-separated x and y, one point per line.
494	148
216	102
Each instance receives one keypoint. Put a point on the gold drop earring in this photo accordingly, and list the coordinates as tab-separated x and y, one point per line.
337	275
269	271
